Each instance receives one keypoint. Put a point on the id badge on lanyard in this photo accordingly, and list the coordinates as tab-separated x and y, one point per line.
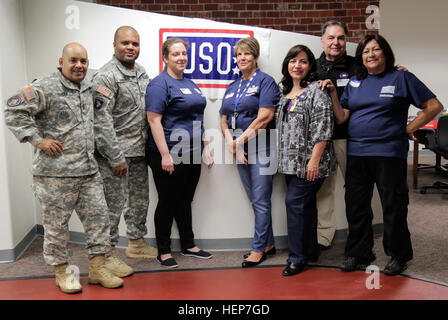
235	115
238	97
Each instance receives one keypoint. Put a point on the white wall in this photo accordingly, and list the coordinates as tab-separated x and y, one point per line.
416	31
17	210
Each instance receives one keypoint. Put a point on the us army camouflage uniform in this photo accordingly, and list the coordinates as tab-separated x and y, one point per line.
55	108
120	137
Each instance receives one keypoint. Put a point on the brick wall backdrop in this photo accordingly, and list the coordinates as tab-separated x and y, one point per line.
306	16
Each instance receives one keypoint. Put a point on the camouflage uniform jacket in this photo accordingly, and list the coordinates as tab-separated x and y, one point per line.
300	128
120	116
53	107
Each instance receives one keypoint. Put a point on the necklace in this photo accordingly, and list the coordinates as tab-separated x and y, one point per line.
293	94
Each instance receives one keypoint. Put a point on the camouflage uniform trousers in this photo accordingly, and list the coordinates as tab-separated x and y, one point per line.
127	195
59	196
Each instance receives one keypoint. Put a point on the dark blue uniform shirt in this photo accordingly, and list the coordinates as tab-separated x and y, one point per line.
379	107
263	92
181	104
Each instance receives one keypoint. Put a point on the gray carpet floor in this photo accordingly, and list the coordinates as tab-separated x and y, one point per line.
427	219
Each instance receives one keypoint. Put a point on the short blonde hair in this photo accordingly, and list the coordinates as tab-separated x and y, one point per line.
250	43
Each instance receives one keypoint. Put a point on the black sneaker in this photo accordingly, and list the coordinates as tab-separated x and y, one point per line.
201	254
394	267
169	263
352	264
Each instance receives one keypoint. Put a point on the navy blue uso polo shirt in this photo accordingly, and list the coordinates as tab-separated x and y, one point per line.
263	92
378	108
181	104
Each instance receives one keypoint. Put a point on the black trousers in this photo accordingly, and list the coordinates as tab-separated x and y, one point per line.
176	192
301	211
390	177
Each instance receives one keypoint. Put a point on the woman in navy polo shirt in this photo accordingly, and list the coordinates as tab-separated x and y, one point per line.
376	103
304	121
175	109
248	106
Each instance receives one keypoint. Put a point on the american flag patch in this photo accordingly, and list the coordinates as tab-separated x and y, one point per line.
104	91
29	93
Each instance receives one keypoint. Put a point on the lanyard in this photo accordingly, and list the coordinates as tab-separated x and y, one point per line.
238	96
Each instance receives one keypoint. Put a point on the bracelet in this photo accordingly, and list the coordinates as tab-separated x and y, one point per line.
236	141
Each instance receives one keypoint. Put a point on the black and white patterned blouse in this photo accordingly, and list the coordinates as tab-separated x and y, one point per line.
301	123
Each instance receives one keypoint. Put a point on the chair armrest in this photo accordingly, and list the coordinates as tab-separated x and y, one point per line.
426	137
432	139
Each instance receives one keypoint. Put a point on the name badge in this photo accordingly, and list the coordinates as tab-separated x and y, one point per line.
185	91
230	95
252	90
388	89
355	83
342	82
303	96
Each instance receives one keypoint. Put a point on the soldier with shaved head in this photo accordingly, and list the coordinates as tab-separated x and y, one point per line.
119	89
55	115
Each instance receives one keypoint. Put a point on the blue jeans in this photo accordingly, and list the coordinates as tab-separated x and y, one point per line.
301	210
259	189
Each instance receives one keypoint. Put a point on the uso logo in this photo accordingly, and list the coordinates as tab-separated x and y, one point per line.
211	61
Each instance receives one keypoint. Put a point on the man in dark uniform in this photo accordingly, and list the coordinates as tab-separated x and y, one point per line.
336	65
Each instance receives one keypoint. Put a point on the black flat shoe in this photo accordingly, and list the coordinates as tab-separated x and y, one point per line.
270	252
248	264
293	269
201	254
170	262
394	267
324	248
353	263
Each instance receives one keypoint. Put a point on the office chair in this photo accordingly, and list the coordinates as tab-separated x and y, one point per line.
422	135
437	142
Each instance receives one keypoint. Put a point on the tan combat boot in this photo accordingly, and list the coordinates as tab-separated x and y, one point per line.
66	281
98	273
116	265
138	248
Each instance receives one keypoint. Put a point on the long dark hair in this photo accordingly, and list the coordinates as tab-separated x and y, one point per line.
361	70
286	83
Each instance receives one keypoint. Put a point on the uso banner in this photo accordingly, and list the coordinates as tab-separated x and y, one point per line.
211	60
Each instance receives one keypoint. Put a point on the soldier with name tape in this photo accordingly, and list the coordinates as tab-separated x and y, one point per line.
119	89
55	115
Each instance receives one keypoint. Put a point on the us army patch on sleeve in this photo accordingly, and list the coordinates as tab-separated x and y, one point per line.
105	91
29	93
15	101
98	103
